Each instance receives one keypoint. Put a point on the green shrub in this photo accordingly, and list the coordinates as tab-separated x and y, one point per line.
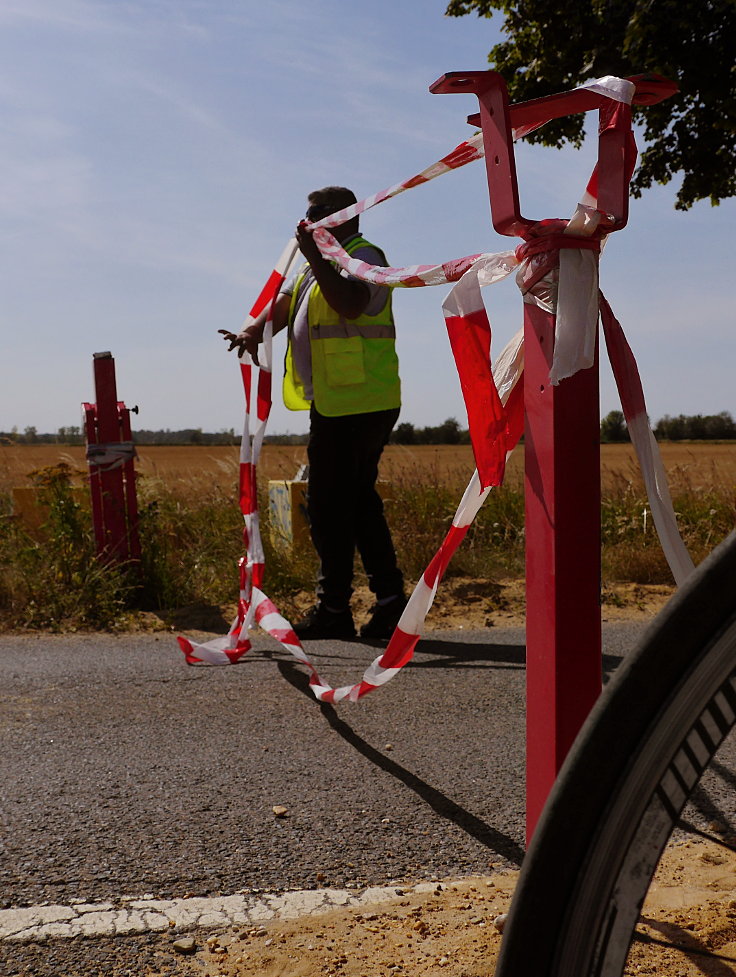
51	578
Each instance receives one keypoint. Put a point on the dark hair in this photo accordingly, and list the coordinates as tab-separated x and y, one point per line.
334	197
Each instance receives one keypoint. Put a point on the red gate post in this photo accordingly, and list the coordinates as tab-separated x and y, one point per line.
562	434
93	473
110	456
129	483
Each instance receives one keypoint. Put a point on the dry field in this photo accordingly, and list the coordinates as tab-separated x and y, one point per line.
700	465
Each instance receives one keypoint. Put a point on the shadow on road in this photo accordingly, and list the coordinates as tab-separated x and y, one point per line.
453	654
439	802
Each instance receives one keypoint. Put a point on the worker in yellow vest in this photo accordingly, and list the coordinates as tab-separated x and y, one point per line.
341	365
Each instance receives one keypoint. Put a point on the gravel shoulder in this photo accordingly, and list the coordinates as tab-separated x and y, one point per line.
455	930
452	928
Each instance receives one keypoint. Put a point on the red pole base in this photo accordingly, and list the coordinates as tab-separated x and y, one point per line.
563	618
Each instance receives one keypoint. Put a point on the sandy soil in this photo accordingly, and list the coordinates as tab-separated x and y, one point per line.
453	930
462	603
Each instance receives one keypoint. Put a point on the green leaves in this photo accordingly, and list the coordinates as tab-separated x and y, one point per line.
692	134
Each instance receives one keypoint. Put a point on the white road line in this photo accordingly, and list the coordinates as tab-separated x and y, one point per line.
146	915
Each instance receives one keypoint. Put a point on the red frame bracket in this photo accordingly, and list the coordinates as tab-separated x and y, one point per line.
498	119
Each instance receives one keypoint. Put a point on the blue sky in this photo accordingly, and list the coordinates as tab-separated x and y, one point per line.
156	156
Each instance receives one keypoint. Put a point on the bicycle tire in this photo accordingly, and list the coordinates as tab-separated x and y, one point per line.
621	790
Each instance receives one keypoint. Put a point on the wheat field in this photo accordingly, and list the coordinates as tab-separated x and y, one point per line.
702	465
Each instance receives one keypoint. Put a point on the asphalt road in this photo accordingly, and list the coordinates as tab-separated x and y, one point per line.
125	772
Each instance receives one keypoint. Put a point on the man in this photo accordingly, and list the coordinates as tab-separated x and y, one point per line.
341	365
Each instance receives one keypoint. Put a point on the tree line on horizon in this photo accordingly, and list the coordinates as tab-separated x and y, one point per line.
684	427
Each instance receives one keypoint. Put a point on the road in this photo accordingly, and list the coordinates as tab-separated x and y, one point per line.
125	772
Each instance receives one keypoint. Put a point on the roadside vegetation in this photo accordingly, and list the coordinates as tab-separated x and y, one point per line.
51	578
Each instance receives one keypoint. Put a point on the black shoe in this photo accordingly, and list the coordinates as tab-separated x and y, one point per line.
384	618
321	623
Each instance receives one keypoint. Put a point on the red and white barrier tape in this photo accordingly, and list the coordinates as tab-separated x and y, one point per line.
628	382
470	334
231	647
559	274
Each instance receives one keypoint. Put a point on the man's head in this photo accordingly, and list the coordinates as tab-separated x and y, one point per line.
328	201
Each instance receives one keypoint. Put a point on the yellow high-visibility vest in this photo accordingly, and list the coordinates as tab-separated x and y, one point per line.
355	368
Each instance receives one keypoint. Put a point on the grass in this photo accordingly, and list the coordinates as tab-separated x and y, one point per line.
631	552
51	577
420	512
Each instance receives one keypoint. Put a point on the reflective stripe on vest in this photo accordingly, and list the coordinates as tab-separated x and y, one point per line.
355	369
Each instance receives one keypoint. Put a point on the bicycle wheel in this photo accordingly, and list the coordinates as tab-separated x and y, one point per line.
624	784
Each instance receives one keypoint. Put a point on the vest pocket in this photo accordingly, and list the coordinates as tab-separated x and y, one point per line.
344	366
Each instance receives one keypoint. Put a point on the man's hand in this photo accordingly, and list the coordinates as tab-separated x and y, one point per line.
246	341
307	244
347	296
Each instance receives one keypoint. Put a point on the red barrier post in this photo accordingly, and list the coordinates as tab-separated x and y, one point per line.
562	435
111	471
98	522
562	501
129	483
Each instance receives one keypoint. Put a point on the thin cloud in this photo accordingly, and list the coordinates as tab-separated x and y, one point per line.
75	15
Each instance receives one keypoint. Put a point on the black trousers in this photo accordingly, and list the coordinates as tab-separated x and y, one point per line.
345	510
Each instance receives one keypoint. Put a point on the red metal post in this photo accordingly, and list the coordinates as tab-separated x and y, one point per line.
562	499
111	480
112	483
95	490
562	436
129	484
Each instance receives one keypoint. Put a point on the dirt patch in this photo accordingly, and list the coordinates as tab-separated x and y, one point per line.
466	603
453	929
449	930
461	603
692	907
